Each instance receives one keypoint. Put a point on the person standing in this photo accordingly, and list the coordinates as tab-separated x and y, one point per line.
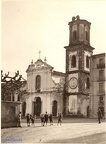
51	119
59	118
19	120
99	115
35	117
42	119
28	119
32	120
45	119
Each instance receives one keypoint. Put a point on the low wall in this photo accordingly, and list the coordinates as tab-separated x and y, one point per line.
9	112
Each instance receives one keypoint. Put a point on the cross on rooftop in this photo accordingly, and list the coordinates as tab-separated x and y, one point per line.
39	53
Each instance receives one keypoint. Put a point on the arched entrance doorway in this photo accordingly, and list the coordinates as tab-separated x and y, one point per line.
54	108
37	106
23	108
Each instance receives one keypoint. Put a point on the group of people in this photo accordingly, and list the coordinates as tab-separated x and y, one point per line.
44	119
30	119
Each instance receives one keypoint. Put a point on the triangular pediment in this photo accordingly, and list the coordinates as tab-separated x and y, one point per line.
39	65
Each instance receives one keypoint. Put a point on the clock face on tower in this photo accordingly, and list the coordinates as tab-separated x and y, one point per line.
73	82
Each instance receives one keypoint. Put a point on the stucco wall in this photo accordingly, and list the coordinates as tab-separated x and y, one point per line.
46	102
9	112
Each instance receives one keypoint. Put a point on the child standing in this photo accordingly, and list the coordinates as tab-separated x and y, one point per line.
51	119
59	118
32	120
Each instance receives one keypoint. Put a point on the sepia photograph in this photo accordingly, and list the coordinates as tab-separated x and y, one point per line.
53	76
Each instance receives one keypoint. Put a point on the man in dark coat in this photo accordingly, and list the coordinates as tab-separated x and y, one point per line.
28	119
19	120
42	119
99	115
51	119
45	118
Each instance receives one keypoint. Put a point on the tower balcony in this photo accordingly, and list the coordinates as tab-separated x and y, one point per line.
101	65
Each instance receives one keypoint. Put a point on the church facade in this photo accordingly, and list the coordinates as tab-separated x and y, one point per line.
45	88
69	93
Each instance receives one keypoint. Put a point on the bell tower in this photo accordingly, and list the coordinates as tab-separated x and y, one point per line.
79	31
78	54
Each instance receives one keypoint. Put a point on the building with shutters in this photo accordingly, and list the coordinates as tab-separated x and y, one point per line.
97	84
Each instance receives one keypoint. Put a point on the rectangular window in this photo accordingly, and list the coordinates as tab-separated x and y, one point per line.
101	74
101	61
101	87
101	99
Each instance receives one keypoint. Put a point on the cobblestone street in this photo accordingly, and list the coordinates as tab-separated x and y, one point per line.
68	132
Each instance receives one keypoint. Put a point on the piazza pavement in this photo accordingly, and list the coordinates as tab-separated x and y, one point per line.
72	130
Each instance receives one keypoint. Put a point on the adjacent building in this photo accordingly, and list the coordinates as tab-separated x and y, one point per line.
97	84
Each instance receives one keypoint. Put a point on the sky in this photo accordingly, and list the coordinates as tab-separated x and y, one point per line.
28	26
